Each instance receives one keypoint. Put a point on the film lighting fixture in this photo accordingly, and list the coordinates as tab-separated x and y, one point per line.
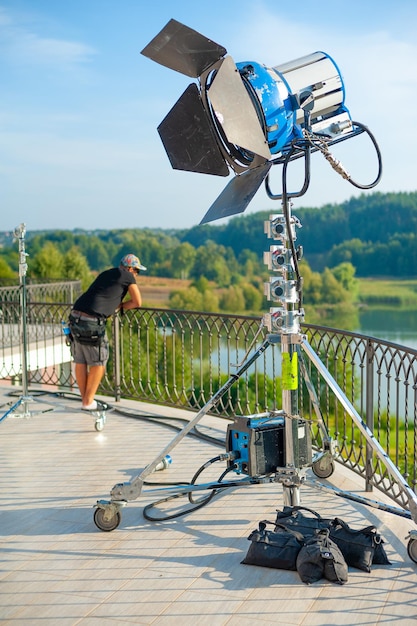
245	117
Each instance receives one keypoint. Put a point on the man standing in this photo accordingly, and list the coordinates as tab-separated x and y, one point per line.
87	322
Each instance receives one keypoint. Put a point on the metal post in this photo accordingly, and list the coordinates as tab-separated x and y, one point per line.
289	356
20	232
370	353
116	358
284	320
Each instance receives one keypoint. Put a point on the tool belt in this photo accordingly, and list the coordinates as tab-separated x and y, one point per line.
87	329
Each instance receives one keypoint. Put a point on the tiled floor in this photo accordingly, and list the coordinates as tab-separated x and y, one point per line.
58	568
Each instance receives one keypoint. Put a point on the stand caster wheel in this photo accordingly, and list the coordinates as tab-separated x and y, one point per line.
412	550
323	469
103	524
99	423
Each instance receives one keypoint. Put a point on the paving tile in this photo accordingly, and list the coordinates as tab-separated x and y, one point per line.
57	567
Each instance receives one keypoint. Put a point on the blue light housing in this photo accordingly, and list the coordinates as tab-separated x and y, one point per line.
246	116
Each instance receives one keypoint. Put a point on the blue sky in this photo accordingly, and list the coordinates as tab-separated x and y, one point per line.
80	105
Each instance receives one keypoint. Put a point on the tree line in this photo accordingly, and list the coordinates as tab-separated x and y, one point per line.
375	232
218	280
372	235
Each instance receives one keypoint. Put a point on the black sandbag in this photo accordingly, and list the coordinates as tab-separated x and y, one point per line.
277	549
321	558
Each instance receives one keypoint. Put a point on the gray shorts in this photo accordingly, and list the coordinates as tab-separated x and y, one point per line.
90	355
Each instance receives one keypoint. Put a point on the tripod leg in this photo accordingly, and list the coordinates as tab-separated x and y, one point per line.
132	490
313	397
366	432
9	411
323	465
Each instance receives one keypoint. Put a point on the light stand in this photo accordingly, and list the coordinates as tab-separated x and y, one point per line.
20	233
25	399
213	126
283	324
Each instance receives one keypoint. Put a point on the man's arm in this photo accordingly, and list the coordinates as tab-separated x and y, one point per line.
135	300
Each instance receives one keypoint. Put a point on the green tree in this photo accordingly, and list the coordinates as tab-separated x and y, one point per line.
312	284
202	284
48	263
183	257
345	275
7	275
333	292
253	297
348	251
210	262
189	299
76	267
210	301
96	253
250	264
232	299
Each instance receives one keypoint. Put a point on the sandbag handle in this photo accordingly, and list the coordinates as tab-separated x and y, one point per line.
368	530
299	536
301	508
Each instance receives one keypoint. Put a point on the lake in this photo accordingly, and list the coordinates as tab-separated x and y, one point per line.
398	326
391	325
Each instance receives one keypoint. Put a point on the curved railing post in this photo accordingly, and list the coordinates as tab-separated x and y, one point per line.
116	358
369	411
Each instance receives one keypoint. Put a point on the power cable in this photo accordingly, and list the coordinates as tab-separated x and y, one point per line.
164	421
198	504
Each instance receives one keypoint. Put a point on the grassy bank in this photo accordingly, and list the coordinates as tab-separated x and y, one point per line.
156	290
371	292
388	292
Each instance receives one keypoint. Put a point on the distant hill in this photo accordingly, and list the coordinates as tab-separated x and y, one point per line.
376	232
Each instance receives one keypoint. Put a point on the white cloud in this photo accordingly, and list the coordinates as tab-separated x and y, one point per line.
47	151
33	49
21	45
4	18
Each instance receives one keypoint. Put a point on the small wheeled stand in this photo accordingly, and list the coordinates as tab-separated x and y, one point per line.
99	415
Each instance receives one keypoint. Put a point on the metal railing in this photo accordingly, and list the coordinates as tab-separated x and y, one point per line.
66	292
181	358
48	357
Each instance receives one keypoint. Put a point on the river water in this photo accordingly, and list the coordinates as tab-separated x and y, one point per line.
392	325
386	324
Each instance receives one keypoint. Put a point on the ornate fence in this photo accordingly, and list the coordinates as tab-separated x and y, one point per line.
181	358
66	292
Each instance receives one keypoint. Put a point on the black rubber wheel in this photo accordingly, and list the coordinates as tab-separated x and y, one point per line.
106	525
412	550
323	472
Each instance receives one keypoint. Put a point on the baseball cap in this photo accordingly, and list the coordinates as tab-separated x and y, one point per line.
130	260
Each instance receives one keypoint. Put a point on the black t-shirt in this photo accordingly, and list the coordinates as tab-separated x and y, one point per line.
106	293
